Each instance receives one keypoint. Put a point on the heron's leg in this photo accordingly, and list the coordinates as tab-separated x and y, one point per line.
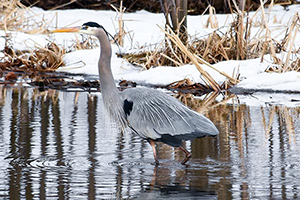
153	177
187	155
152	143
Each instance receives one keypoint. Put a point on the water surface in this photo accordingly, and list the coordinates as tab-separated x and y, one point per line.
58	145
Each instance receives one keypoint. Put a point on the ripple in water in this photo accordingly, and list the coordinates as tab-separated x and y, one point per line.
56	145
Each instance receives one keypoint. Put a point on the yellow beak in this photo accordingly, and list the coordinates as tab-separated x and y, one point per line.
67	30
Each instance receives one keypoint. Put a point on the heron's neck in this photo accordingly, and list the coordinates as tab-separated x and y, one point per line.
107	82
110	94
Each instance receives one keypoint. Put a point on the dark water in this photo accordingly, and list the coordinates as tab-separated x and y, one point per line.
55	145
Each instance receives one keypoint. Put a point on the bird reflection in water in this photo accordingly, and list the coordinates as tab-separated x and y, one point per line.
53	146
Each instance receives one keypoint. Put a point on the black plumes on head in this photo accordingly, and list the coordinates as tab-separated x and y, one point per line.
92	24
96	25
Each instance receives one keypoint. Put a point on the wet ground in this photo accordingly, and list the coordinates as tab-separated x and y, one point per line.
58	145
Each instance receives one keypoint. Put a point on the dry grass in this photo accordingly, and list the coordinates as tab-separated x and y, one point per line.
14	16
295	65
121	32
17	17
47	58
217	47
212	20
186	86
197	61
83	42
233	44
290	60
40	59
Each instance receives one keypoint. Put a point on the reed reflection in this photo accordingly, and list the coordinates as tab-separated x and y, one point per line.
44	124
55	146
236	125
15	170
92	113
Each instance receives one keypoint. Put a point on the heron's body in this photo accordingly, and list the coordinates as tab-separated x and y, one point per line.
153	115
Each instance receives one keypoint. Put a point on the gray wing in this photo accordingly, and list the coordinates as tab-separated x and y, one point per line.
158	116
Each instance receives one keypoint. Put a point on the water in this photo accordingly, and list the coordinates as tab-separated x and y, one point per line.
57	145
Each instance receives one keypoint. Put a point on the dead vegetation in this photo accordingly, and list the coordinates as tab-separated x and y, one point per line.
238	42
17	17
83	42
235	42
119	37
187	86
14	16
290	60
41	59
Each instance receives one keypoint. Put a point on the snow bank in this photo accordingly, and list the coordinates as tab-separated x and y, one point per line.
143	30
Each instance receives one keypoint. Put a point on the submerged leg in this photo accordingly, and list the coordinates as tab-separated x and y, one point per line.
152	143
187	155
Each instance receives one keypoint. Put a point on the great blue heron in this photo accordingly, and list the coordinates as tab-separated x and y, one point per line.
152	114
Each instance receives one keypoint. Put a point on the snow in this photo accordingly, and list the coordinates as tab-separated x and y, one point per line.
276	81
142	28
262	99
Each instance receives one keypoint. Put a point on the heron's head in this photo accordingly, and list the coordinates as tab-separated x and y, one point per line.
89	28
